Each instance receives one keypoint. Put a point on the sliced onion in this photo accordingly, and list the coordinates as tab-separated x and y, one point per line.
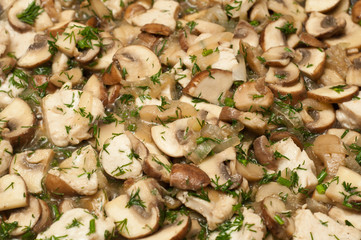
227	143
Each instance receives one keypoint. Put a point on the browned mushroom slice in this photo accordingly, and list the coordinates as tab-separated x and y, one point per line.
356	12
279	135
96	88
74	75
251	97
17	8
37	53
333	94
351	37
100	9
311	41
272	36
88	54
253	121
188	177
331	77
285	76
203	26
324	26
330	150
354	73
259	11
158	167
133	10
17	122
13	193
253	58
136	62
45	218
288	7
263	152
297	91
250	171
202	85
246	33
311	61
176	230
156	28
274	213
32	166
278	56
25	217
317	6
272	189
317	116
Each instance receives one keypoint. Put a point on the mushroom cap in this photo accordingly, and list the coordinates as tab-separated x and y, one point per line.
6	151
311	61
323	6
324	26
285	76
278	56
158	167
13	192
271	36
188	177
246	33
333	94
17	8
139	61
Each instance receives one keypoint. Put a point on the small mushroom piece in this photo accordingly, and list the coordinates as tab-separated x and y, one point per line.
253	121
246	33
252	57
272	189
221	168
202	85
45	219
165	137
288	7
66	42
26	217
17	122
317	116
316	6
74	75
157	29
347	136
330	150
120	158
297	90
37	53
337	189
107	131
353	76
96	88
324	26
333	94
311	41
278	56
263	152
188	177
252	96
89	54
273	213
13	192
251	171
331	77
216	210
6	65
6	151
32	166
85	220
140	219
137	61
259	11
272	36
17	8
279	135
176	230
75	175
311	61
100	9
158	167
356	12
285	76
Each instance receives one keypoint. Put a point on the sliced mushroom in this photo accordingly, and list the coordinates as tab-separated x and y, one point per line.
311	41
272	189
252	96
75	175
66	42
13	192
263	152
107	131
74	75
253	121
251	171
316	6
216	210
297	91
120	158
317	116
157	29
356	12
84	220
288	7
285	76
188	177
25	217
88	55
246	33
100	9
158	167
136	220
221	168
347	136
137	61
330	150
96	88
333	94
6	151
202	85
331	77
6	65
354	73
17	122
271	36
311	61
279	135
259	11
32	166
252	56
337	192
278	56
45	218
17	8
324	26
274	215
176	230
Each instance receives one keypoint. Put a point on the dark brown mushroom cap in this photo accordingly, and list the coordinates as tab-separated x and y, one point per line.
263	152
157	29
188	177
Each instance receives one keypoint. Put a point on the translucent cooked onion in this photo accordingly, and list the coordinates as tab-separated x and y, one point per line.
337	60
227	143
